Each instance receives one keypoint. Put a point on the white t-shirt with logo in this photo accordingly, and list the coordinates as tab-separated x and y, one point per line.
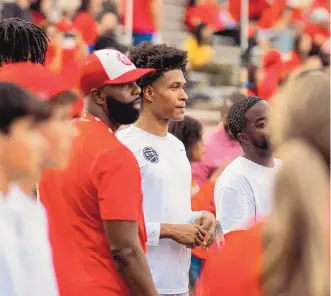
166	183
243	193
28	221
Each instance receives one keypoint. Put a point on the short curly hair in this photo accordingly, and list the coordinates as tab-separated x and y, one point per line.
188	131
161	57
236	117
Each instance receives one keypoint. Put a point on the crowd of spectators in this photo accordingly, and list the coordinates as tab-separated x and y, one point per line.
288	34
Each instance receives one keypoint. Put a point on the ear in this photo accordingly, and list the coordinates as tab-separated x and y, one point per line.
148	93
243	138
98	97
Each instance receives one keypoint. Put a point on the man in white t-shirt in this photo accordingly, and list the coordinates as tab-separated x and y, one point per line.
166	173
243	191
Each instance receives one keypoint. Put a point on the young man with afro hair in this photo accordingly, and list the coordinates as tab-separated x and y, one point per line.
243	191
172	227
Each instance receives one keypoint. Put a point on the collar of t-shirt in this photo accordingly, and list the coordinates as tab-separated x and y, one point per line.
92	118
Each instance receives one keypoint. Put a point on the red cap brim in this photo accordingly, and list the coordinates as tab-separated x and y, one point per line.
131	76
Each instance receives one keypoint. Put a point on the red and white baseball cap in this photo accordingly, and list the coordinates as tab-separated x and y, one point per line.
35	78
109	66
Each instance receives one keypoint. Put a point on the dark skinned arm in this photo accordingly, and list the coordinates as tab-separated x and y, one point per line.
129	257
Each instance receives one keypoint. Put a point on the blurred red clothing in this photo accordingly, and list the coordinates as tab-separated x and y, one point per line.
235	270
87	26
202	200
312	30
143	21
37	17
271	74
208	13
256	7
293	63
272	14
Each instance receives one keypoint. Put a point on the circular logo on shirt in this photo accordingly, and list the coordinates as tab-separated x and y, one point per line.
150	155
123	59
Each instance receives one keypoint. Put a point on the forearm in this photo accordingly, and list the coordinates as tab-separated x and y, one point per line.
134	269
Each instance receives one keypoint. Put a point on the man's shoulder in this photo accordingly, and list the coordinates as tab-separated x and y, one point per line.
130	137
233	175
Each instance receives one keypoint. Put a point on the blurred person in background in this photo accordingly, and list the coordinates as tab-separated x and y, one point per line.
108	38
172	227
318	27
58	132
199	48
221	148
27	269
299	55
65	50
85	22
16	8
280	32
104	216
41	11
21	41
216	15
270	74
190	132
147	20
289	251
243	191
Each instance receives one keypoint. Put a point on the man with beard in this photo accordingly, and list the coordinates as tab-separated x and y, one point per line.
244	189
101	186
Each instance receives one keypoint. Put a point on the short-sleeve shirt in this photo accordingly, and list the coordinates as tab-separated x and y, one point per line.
102	182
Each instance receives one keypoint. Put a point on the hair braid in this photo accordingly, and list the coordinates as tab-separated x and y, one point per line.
22	41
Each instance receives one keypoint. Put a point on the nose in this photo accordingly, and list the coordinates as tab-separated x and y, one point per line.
136	90
183	95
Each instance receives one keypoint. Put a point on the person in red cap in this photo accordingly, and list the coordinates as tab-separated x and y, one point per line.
101	187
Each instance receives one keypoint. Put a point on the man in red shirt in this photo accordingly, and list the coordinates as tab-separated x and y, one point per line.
100	190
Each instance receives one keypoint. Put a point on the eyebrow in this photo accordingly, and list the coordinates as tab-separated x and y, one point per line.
259	119
178	82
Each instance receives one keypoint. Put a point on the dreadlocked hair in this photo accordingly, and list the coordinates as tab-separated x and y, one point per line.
22	41
161	57
236	116
188	131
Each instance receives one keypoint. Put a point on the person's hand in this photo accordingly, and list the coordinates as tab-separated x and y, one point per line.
208	223
190	235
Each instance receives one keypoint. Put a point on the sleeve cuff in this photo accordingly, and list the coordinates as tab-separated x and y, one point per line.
193	216
153	233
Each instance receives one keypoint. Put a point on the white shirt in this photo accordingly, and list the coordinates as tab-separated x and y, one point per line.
29	225
13	277
243	193
166	183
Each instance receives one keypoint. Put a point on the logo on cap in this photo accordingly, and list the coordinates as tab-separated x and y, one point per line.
150	155
123	59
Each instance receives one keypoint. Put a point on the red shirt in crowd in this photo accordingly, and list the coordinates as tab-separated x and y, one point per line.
271	74
256	7
87	26
236	269
143	21
102	182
